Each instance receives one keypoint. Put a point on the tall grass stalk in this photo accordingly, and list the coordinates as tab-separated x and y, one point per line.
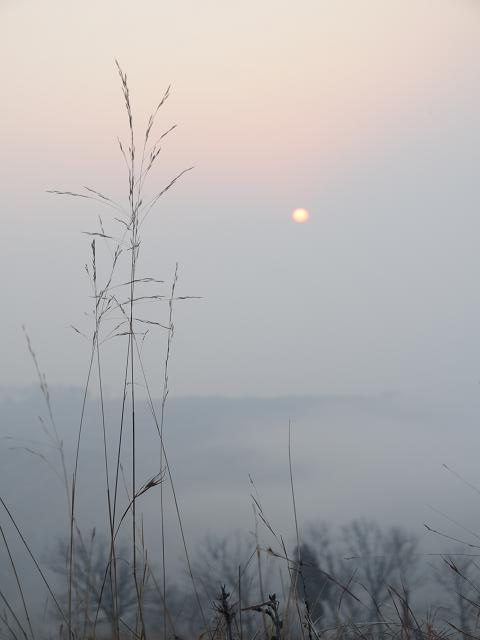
131	219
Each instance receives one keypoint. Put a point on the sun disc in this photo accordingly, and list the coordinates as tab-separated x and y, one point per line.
300	215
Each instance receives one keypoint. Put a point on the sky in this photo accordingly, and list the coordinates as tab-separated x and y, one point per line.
361	325
364	113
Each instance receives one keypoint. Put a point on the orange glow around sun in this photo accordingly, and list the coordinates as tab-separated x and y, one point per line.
300	215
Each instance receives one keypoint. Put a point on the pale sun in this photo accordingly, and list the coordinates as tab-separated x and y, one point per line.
300	215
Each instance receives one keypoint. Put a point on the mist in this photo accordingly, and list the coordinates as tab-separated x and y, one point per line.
210	409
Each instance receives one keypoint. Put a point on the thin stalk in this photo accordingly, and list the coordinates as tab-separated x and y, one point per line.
13	614
17	579
112	573
299	558
32	556
260	577
162	424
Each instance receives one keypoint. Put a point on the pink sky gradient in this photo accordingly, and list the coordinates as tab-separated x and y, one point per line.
258	86
365	113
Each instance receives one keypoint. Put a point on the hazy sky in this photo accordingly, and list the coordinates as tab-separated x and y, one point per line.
366	113
364	322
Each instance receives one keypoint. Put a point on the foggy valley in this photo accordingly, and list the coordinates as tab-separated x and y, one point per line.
240	381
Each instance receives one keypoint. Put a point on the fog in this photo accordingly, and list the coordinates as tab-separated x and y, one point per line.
375	457
366	458
338	357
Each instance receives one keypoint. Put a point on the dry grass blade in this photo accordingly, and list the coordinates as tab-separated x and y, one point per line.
17	580
107	203
154	200
33	558
447	537
14	616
